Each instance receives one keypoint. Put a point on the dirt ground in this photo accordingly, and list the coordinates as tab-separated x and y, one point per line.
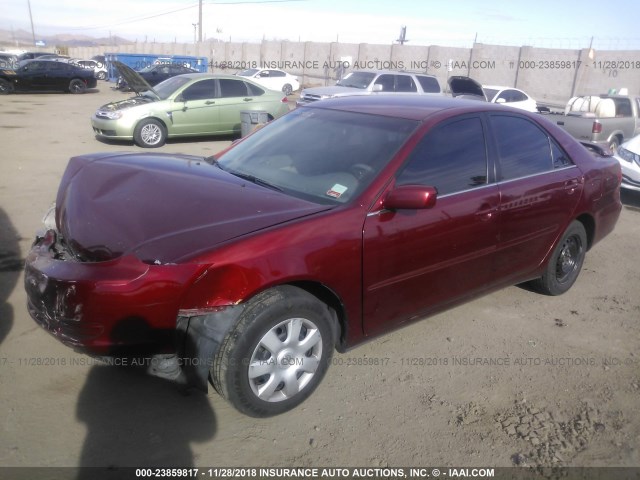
511	378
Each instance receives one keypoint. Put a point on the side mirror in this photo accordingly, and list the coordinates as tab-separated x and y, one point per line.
501	100
410	197
377	87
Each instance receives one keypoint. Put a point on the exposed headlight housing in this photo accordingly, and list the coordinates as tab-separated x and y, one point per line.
628	155
49	219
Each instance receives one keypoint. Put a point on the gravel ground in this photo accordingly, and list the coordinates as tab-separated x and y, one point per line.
513	378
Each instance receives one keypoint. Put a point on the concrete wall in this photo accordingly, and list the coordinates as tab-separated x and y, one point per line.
549	75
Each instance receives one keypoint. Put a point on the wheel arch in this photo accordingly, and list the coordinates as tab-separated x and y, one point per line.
589	225
152	117
333	301
203	335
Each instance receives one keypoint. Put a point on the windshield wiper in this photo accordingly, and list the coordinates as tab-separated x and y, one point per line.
256	180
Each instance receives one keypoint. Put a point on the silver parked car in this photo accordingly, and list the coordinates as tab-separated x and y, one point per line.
365	82
628	154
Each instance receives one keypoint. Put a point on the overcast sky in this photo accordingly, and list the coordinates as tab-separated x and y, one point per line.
543	23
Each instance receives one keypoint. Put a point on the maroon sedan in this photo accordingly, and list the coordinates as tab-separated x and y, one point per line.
338	222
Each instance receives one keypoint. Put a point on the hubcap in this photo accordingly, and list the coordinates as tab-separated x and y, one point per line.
285	360
150	134
568	260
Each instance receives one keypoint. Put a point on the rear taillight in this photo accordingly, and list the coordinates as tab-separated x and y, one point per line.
597	127
284	100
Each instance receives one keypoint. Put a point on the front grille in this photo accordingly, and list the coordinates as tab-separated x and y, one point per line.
106	133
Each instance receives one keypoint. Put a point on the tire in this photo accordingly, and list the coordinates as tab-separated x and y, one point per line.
150	133
613	144
101	75
262	368
5	87
287	89
565	263
77	86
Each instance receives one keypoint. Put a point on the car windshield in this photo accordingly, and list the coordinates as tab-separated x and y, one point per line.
169	86
357	80
249	72
490	93
147	69
325	156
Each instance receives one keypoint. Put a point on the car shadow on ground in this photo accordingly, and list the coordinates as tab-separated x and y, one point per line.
135	420
171	141
630	199
11	264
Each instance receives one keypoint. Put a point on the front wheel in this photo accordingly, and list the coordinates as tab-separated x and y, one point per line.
276	354
77	86
565	263
102	75
287	89
150	133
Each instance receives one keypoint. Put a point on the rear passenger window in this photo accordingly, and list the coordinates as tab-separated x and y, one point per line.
386	81
451	158
232	88
429	84
404	83
523	148
560	159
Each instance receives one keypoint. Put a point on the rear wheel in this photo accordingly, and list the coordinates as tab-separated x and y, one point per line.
5	87
565	263
150	133
287	89
77	86
276	354
613	144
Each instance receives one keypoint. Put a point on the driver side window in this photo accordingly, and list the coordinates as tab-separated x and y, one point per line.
202	90
452	158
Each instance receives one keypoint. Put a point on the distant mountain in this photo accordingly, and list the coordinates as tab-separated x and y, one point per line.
24	39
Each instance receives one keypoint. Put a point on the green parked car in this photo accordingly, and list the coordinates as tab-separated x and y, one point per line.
193	104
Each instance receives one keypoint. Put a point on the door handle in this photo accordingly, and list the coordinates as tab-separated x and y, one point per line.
486	212
209	102
571	186
247	99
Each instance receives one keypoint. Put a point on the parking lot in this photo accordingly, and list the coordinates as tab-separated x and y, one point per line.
511	378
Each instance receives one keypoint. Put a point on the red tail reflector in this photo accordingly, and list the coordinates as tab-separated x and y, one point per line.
597	127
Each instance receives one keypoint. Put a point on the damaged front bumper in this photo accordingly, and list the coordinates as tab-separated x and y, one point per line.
113	307
125	307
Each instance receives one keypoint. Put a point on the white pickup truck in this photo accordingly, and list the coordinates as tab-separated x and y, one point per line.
606	120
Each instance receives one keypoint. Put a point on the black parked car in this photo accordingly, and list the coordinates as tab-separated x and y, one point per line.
47	75
154	74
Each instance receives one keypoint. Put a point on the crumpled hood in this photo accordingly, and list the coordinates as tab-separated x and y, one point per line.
161	207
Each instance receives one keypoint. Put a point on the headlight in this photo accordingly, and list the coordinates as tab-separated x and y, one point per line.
49	219
111	115
628	155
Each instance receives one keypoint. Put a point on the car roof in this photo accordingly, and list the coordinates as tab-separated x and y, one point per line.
409	106
392	72
500	87
211	75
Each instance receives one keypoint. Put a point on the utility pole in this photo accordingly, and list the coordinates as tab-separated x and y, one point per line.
194	32
33	32
200	22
